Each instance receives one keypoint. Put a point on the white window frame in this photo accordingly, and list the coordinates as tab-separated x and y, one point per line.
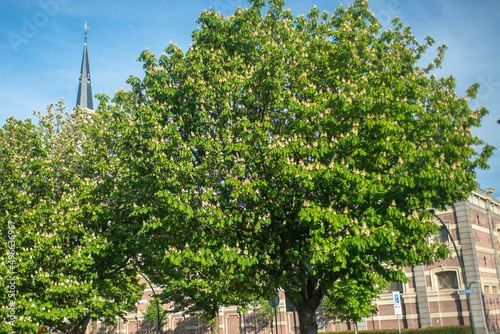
435	281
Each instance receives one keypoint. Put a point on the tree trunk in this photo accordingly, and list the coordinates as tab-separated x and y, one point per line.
215	325
311	296
307	320
81	326
215	322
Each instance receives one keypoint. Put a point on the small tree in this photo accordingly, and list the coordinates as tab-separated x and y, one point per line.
200	290
352	299
155	311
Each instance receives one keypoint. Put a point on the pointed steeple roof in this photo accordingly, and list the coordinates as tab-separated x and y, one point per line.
84	98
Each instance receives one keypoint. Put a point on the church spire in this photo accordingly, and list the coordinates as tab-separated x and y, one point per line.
84	98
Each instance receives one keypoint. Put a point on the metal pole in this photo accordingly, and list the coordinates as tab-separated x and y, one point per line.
276	319
399	327
460	261
294	321
468	300
245	322
160	319
281	331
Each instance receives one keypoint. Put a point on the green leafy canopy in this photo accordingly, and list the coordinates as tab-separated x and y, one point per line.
67	269
295	151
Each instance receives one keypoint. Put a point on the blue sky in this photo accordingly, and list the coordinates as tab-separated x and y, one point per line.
41	43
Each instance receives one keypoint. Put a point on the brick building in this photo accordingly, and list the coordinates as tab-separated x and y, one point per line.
431	298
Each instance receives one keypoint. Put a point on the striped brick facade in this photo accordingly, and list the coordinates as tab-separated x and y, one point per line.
475	227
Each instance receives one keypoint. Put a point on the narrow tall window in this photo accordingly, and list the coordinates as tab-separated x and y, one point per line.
441	237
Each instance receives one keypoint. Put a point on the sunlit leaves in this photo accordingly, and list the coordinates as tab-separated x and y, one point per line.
298	151
353	298
68	270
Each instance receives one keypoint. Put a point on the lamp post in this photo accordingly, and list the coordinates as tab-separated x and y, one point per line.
473	327
462	268
159	318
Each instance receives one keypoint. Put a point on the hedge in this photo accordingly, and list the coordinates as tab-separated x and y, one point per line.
427	330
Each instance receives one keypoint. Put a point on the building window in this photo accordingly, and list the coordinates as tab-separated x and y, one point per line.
486	289
447	280
494	289
394	286
441	237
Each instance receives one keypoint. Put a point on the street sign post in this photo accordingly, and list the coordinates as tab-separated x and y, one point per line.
397	303
466	291
397	306
274	303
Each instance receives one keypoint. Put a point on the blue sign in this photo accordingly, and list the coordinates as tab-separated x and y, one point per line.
397	303
463	292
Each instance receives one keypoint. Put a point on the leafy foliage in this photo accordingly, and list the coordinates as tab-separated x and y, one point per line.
353	299
67	272
264	312
427	330
153	310
294	151
203	290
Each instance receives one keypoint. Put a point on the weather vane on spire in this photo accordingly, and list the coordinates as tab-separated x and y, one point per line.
86	27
